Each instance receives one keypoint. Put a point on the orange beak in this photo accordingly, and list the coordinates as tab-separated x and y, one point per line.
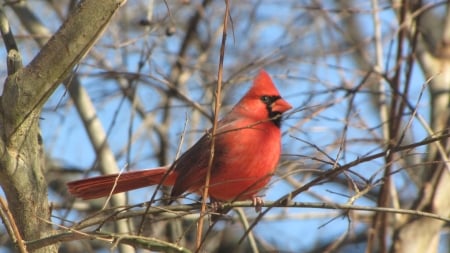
280	105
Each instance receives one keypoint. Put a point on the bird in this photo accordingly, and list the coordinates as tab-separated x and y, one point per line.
247	149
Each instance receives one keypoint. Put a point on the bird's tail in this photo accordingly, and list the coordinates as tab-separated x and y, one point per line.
103	186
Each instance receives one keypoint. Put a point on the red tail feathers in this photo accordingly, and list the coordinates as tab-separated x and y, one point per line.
103	186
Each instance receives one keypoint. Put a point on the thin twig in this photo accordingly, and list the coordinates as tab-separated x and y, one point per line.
214	128
11	227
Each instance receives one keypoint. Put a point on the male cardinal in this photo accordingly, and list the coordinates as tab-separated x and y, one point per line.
247	150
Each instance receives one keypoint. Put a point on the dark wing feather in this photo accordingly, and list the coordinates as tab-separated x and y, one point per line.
192	166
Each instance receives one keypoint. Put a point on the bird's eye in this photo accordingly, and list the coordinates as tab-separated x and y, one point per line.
266	100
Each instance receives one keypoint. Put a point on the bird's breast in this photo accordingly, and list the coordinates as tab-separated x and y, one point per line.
245	162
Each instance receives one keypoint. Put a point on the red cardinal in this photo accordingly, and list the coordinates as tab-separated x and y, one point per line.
247	150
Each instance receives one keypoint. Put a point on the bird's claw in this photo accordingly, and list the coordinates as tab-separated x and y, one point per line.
258	202
216	206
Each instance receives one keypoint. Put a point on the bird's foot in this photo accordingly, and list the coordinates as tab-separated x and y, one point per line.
257	202
216	206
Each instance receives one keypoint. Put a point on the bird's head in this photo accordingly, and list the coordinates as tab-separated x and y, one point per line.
263	101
